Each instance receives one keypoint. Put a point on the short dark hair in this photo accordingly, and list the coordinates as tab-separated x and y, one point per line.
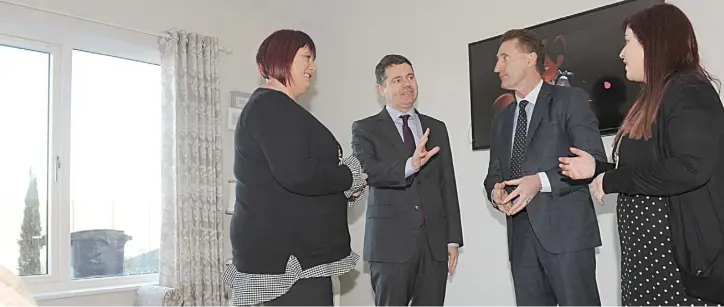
387	61
528	41
276	53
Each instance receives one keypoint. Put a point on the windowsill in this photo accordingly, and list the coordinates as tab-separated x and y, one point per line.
89	291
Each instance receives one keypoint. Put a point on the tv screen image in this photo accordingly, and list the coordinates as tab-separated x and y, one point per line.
581	50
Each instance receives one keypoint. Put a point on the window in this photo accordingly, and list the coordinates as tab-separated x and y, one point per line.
24	100
115	166
80	127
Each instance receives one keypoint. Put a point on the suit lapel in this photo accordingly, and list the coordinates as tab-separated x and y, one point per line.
507	137
542	105
390	131
424	124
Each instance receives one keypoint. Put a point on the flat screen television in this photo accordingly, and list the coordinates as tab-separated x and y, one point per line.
581	50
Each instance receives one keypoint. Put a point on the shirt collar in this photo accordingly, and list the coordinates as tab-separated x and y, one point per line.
533	95
395	114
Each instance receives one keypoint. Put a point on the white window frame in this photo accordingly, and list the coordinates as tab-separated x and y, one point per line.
59	36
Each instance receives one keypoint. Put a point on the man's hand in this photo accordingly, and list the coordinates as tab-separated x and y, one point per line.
499	195
421	154
528	187
452	252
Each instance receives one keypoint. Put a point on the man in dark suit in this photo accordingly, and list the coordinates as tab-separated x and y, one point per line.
552	225
413	228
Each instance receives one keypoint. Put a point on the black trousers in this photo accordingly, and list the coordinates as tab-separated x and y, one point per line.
306	292
544	279
421	281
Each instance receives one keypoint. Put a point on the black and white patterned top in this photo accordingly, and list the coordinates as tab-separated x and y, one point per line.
253	289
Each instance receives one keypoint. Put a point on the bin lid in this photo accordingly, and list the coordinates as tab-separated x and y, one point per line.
109	234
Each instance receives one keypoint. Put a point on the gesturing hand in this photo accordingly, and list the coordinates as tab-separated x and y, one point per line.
421	154
582	166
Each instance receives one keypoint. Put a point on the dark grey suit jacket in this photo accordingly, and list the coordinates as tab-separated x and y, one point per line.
395	202
563	220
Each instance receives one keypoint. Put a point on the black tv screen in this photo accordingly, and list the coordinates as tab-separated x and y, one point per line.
581	50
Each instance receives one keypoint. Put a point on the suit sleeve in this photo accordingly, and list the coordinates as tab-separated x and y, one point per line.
495	174
387	173
450	192
582	129
285	142
694	128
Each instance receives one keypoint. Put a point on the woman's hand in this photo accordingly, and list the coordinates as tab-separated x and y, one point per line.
597	188
582	166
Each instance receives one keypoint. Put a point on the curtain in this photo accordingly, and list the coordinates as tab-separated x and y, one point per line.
191	253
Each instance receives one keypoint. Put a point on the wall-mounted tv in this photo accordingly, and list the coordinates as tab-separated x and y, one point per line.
581	50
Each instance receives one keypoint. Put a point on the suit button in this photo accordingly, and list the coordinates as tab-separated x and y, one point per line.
417	208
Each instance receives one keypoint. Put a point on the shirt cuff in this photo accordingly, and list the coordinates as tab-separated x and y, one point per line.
356	169
453	244
545	184
409	170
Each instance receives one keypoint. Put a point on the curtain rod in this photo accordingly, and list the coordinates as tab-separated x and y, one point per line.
222	48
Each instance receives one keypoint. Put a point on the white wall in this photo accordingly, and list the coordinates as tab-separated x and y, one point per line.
352	36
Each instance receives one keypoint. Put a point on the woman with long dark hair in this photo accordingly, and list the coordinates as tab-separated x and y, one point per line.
668	168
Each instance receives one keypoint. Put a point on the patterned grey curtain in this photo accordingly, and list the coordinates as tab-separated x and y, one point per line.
193	207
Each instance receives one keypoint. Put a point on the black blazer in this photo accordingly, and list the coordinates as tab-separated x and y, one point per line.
688	169
290	192
394	202
563	220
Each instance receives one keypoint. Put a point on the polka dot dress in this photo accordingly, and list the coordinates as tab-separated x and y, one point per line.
649	274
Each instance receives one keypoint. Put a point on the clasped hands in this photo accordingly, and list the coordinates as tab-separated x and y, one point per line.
527	188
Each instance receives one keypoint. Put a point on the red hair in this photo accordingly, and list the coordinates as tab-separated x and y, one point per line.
276	53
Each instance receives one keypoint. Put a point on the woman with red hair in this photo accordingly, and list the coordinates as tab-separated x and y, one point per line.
289	231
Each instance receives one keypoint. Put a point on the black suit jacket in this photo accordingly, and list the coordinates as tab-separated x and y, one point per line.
394	202
563	220
290	188
688	169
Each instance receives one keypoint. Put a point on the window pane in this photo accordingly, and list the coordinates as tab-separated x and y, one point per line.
24	92
115	170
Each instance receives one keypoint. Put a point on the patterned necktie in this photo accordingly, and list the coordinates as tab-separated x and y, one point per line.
516	158
407	137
